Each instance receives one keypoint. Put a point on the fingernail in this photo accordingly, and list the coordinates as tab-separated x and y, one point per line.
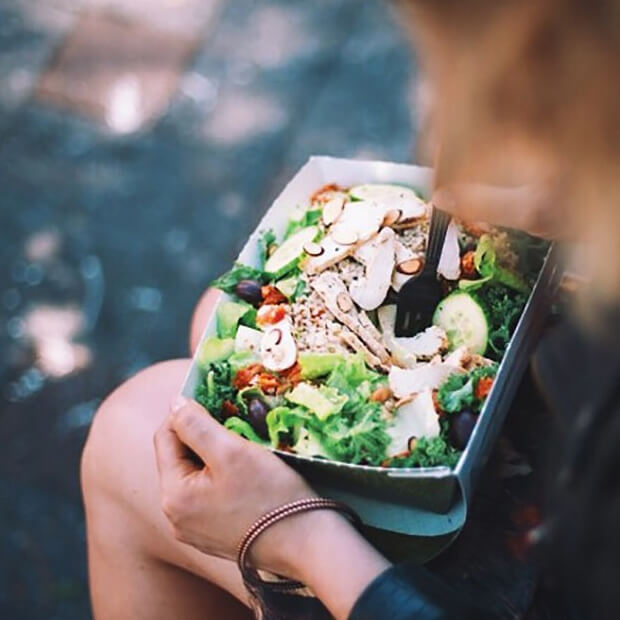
178	403
444	199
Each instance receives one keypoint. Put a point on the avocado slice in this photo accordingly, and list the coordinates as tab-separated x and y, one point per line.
215	350
323	401
315	365
228	316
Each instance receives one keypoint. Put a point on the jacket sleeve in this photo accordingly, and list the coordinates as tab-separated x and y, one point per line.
407	591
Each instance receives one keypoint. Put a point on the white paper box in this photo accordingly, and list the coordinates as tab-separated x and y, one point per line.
420	502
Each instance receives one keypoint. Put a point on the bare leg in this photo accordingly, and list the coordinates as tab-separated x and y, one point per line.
137	569
201	315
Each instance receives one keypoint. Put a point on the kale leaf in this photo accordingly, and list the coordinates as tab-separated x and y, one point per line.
504	307
215	387
458	391
432	452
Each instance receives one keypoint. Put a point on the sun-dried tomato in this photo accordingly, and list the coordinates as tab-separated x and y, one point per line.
437	404
245	375
467	265
292	374
229	409
271	295
270	314
326	189
483	387
268	383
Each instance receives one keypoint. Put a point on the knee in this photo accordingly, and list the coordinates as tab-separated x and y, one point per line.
119	448
202	313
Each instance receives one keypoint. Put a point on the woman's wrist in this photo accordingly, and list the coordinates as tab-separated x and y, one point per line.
325	552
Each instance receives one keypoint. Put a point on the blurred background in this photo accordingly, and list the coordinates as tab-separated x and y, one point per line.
140	142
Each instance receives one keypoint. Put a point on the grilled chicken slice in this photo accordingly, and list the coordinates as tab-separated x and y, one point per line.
416	418
407	381
338	301
370	292
351	340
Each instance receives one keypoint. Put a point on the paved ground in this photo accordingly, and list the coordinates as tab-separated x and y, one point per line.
108	234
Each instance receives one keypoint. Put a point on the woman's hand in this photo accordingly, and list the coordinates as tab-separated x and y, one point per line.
214	485
535	209
212	500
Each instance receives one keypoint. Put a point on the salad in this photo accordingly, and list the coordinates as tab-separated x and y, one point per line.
306	360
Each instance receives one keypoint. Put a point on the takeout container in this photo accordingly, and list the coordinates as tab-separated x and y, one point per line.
427	504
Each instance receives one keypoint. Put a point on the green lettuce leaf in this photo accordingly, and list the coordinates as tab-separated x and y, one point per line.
243	428
265	241
356	436
229	280
283	424
485	262
309	218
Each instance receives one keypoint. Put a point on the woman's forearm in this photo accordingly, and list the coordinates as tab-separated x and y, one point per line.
336	562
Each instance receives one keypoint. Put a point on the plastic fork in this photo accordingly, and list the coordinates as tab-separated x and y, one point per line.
418	298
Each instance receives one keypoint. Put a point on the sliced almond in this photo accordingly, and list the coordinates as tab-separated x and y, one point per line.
381	394
313	249
345	303
344	236
391	217
411	442
409	267
403	401
332	210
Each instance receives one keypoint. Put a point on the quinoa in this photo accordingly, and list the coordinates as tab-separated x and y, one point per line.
415	238
314	327
349	270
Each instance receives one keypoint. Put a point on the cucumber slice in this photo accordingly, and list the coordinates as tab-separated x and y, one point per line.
464	321
383	193
286	256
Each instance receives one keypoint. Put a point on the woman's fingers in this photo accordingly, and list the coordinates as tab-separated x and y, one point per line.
198	430
173	460
526	207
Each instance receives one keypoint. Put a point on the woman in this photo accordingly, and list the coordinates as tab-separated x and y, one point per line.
526	97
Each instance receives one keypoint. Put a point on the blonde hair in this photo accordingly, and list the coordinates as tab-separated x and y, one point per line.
529	88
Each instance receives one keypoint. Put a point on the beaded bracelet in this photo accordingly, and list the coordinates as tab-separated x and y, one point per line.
250	575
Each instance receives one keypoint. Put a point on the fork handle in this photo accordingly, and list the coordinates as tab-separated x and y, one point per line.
440	220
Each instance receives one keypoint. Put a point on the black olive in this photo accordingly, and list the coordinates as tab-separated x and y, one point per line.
461	427
250	291
257	416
